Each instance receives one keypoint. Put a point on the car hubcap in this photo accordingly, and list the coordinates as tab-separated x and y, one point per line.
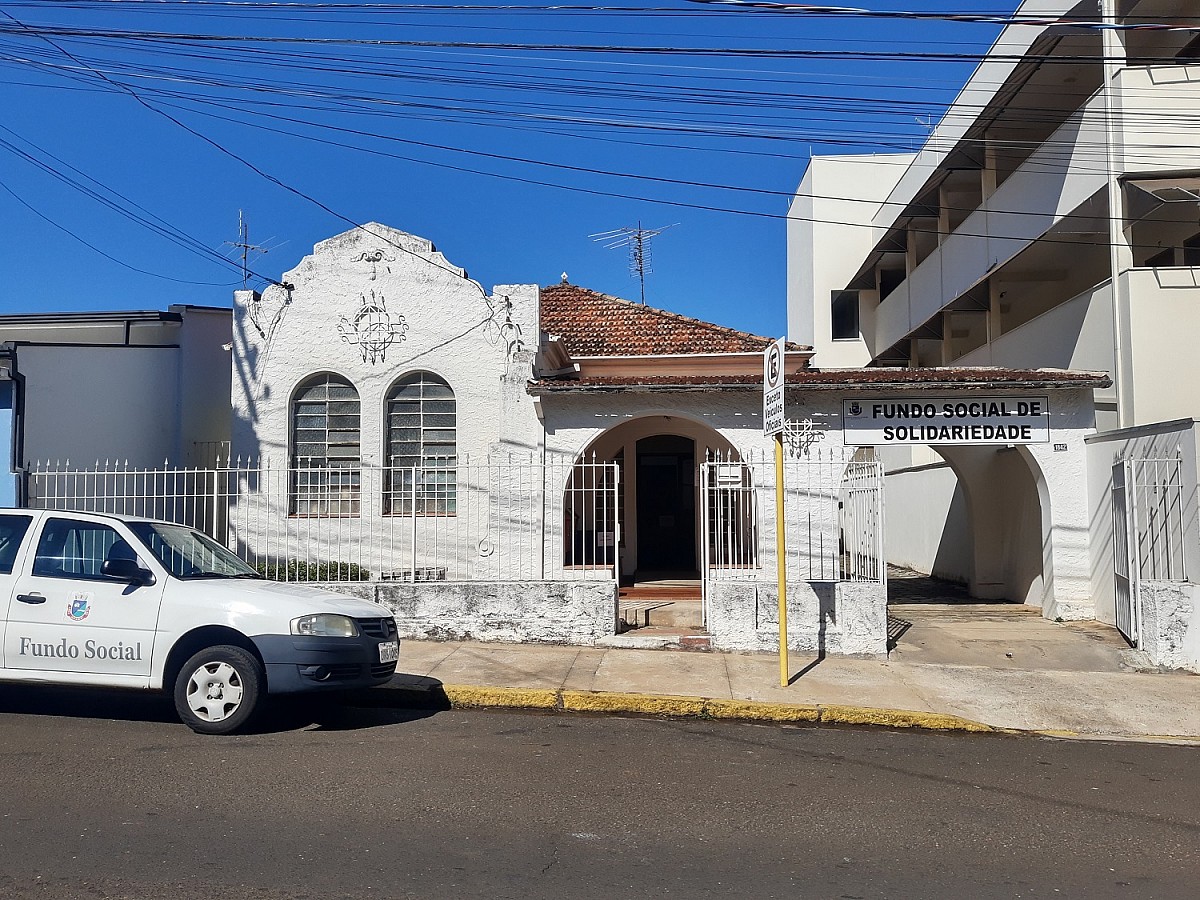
214	691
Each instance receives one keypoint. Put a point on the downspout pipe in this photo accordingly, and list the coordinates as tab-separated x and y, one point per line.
16	462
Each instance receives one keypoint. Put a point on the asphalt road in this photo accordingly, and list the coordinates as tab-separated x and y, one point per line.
106	796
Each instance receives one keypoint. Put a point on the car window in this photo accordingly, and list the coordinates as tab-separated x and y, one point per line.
189	554
69	548
12	532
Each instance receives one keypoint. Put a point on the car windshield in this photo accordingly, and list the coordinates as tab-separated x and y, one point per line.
189	554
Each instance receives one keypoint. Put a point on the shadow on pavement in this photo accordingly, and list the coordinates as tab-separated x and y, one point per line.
348	711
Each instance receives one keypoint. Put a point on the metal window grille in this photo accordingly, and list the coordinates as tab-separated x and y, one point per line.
326	449
421	427
1158	518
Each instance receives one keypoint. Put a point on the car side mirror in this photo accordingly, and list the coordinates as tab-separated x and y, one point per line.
126	570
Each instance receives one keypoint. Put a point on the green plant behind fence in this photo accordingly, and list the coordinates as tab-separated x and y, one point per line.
295	570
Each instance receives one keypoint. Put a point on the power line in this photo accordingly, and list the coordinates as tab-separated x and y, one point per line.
156	37
121	204
125	88
120	262
248	164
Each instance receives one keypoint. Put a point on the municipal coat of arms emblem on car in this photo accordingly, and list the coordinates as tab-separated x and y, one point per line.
78	607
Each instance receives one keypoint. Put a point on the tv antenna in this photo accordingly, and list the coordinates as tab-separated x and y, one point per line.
243	244
637	239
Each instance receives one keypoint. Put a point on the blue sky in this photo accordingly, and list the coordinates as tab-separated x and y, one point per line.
507	157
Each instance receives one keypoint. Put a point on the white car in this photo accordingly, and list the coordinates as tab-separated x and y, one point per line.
121	602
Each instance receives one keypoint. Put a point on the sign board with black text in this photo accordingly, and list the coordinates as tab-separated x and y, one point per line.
946	420
773	417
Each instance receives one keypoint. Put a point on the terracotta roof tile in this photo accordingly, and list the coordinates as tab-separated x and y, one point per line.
831	379
593	324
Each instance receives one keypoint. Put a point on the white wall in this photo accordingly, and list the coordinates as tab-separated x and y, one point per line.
1029	518
452	332
828	235
89	403
927	526
1164	321
1077	334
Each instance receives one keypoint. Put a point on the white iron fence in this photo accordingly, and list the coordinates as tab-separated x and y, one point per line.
833	512
505	519
1148	533
510	519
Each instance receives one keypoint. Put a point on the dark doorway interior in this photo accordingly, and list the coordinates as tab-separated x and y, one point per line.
666	504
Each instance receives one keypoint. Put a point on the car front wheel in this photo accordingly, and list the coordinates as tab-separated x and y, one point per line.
218	690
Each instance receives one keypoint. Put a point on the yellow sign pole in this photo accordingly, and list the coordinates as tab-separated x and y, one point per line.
781	562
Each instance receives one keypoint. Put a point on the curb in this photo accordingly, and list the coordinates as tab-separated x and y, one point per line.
452	696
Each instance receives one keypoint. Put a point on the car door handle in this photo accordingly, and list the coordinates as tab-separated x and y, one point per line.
31	598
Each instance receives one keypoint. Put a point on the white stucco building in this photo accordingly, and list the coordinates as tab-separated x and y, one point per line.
1052	219
501	463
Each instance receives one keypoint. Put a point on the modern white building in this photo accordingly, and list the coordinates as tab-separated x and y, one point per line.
1051	219
147	388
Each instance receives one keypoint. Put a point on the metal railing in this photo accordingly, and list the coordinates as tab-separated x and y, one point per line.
1157	509
508	519
492	518
833	512
1148	534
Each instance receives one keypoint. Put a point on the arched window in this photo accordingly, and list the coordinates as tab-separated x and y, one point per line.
326	453
421	446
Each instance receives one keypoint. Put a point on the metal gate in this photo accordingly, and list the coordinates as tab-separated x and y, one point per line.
861	507
833	513
1125	570
1148	534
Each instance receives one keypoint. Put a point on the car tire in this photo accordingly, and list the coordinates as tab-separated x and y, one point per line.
218	690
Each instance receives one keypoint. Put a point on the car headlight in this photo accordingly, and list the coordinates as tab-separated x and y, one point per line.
325	625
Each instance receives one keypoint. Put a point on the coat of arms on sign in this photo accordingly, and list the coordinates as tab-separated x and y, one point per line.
373	329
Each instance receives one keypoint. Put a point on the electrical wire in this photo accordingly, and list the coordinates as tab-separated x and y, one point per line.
120	262
747	127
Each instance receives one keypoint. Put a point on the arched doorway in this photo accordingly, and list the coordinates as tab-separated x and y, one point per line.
971	518
659	458
666	505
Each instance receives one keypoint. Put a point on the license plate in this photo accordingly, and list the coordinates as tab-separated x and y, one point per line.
389	652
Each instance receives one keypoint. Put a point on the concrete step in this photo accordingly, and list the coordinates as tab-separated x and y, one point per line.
660	638
642	613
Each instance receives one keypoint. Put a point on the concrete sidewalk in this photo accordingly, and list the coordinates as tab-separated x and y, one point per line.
1079	688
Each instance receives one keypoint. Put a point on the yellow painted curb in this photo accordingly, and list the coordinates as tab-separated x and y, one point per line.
466	697
898	718
643	704
471	697
751	711
1057	733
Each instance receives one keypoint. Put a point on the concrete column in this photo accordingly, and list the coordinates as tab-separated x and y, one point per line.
988	174
943	214
994	326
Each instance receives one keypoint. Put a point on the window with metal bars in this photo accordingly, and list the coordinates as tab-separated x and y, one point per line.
326	451
421	436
